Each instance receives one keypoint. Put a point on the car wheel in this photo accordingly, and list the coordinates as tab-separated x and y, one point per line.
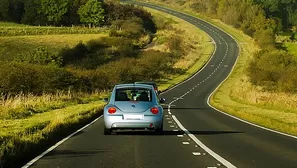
107	131
159	130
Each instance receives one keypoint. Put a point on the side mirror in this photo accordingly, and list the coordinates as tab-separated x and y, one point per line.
162	100
105	99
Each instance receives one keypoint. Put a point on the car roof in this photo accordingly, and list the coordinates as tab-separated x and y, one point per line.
150	83
133	85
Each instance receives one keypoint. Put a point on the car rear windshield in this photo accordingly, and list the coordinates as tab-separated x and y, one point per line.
133	94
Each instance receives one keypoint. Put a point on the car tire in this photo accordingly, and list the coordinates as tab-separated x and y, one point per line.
107	131
159	130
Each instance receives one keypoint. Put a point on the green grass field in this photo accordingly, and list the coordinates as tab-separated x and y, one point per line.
12	46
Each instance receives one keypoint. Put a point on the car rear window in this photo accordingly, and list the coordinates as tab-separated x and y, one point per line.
133	94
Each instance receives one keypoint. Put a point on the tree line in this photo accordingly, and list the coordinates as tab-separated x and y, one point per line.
284	12
69	12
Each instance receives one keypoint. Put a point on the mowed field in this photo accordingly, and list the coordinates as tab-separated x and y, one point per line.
11	46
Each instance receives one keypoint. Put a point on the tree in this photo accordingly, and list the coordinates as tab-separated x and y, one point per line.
4	9
91	13
11	10
283	9
31	13
54	9
72	17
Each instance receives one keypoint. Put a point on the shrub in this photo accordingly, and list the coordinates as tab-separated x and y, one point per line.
17	77
162	24
288	80
154	64
41	56
175	43
24	77
265	38
115	11
269	66
73	55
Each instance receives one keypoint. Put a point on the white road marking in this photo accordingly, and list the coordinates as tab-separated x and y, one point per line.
180	136
171	126
175	130
196	153
169	122
169	113
58	143
186	143
204	147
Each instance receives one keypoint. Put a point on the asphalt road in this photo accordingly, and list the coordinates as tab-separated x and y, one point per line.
195	135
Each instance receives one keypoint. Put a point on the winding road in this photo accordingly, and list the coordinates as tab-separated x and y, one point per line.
195	135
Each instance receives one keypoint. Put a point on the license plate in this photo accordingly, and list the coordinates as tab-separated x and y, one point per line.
133	117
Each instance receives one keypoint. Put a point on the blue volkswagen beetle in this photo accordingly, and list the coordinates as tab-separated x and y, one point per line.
133	106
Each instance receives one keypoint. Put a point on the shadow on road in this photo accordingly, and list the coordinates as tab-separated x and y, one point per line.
73	153
169	132
185	108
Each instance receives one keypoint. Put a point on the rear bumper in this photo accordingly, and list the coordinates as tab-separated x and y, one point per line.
118	122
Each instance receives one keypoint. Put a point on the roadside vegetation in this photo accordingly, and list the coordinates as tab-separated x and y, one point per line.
53	83
262	87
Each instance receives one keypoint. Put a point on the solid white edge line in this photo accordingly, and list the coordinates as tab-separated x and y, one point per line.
58	143
204	147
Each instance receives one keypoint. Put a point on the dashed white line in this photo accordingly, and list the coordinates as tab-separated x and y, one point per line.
204	147
196	153
186	143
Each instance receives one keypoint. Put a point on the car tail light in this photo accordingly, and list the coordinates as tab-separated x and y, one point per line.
154	110
112	110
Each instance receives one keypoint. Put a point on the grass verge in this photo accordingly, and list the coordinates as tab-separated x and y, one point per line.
20	139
